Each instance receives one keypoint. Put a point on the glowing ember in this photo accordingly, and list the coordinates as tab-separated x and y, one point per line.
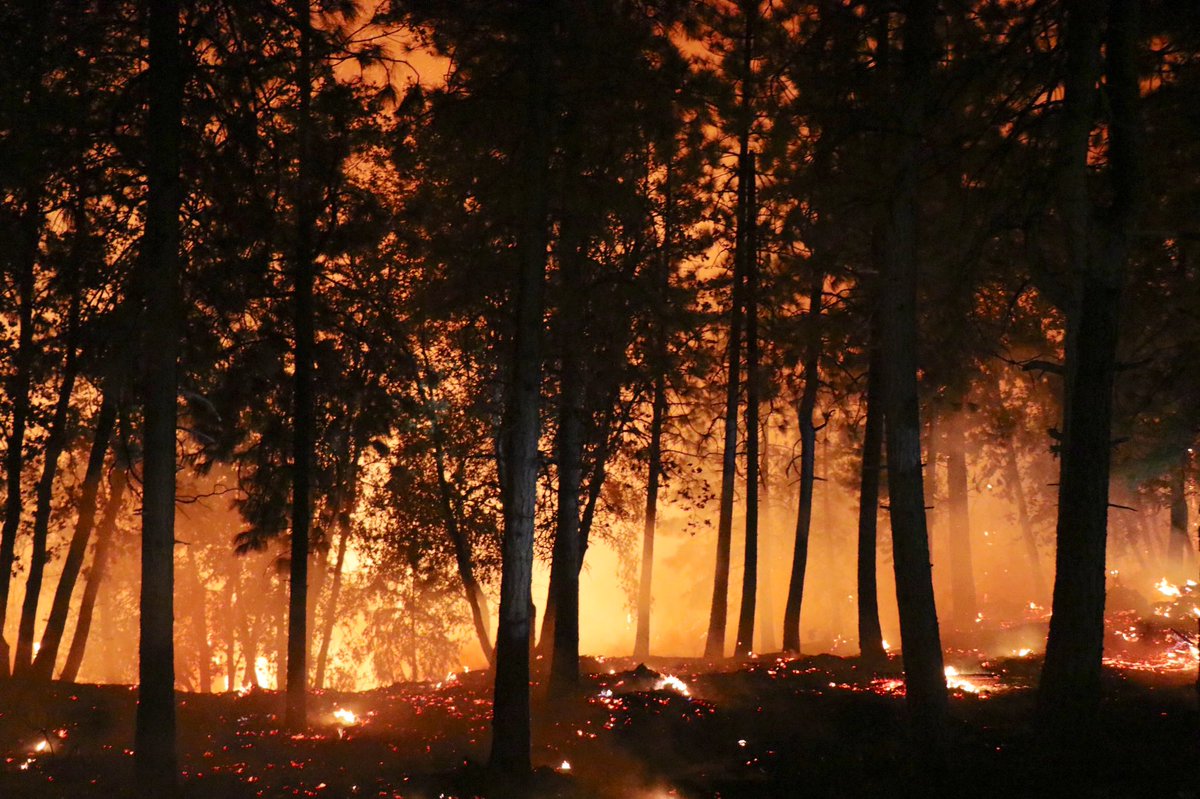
669	682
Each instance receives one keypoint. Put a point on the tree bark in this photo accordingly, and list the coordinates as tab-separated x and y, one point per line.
511	723
870	634
155	743
808	451
60	608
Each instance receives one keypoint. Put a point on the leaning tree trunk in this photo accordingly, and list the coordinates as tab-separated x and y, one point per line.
1069	694
962	571
744	643
98	569
60	608
925	681
808	458
511	722
55	442
870	634
155	744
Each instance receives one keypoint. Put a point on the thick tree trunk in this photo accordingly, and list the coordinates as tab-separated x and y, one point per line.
744	642
1016	491
302	390
921	645
98	569
870	634
155	744
962	570
55	442
1069	694
808	459
511	723
43	664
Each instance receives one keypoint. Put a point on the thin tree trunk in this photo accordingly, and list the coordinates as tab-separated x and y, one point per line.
155	742
29	236
1069	693
99	568
641	646
870	634
808	446
198	607
744	642
511	722
60	608
1179	546
962	574
766	544
55	442
1012	479
925	681
714	645
331	605
302	397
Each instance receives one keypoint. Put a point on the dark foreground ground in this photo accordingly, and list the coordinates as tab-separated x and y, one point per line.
814	727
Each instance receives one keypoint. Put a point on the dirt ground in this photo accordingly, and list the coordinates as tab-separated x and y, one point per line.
770	727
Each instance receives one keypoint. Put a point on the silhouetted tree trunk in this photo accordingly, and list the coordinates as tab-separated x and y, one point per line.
870	634
55	442
1069	693
1179	546
921	645
155	744
1016	490
28	239
302	396
568	552
808	456
744	643
766	544
641	645
96	573
511	723
962	573
198	607
60	608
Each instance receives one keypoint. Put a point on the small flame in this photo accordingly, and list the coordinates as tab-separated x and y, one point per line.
564	766
345	717
669	682
955	682
41	746
886	646
1167	588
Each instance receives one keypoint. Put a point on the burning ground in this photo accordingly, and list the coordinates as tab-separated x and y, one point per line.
770	726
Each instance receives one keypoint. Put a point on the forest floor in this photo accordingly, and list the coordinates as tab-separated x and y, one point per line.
769	727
